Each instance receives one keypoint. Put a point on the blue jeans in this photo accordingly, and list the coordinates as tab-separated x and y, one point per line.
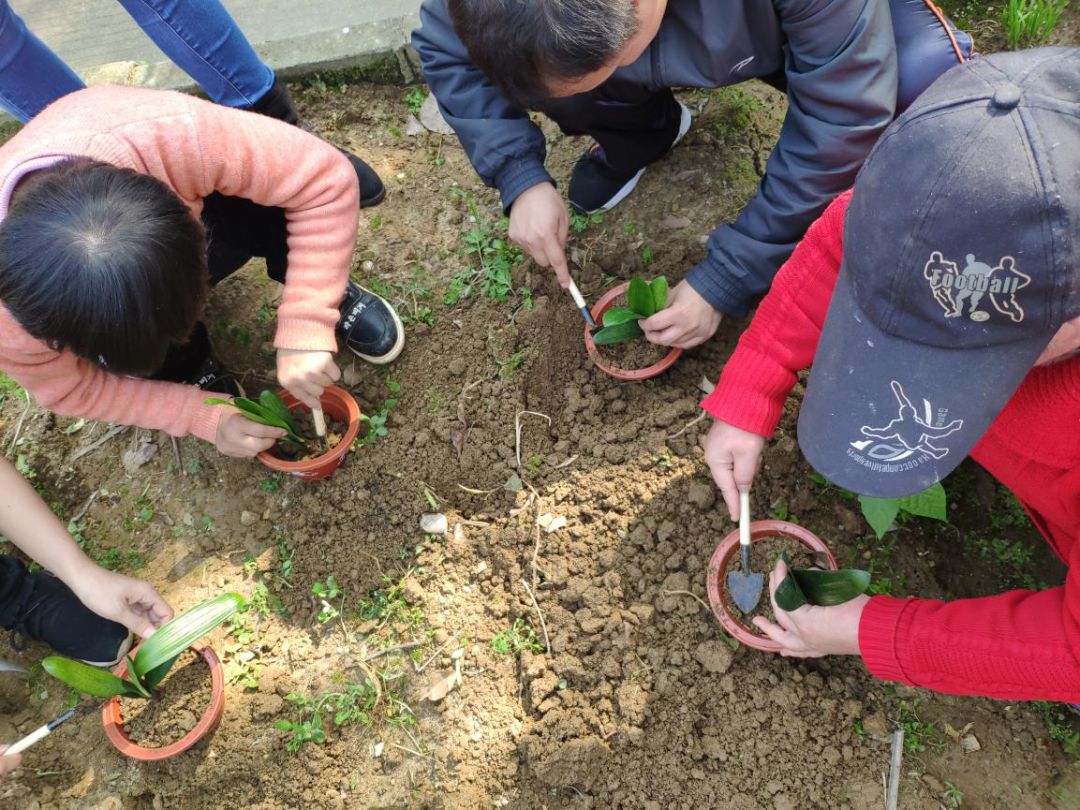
198	35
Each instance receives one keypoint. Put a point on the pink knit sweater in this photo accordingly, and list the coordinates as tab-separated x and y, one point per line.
195	148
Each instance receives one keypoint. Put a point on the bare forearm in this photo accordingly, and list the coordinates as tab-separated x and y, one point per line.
27	521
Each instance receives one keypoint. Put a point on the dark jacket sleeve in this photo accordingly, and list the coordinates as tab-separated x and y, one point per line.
842	76
506	148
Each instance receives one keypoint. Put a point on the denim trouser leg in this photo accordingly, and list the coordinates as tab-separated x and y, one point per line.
31	76
202	38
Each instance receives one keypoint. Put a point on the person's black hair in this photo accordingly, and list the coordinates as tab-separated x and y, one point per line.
522	46
105	262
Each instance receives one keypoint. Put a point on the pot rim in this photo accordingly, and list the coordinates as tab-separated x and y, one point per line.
716	584
606	301
114	723
339	404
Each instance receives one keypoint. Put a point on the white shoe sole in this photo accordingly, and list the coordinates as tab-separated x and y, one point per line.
399	344
685	120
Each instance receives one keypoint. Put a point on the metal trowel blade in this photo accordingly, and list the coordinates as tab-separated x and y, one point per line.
745	589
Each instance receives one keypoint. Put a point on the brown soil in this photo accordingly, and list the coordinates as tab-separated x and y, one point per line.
176	707
287	451
633	354
638	702
763	556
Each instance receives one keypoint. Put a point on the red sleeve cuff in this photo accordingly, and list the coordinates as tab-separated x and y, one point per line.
751	392
878	630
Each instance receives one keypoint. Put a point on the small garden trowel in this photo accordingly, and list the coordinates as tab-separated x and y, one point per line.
743	586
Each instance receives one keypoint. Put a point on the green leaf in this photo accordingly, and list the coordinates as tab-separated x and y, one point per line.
618	333
789	595
879	513
87	679
155	676
659	292
274	404
134	678
639	297
829	588
617	315
929	503
175	636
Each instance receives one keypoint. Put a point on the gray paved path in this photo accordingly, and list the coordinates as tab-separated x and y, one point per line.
101	42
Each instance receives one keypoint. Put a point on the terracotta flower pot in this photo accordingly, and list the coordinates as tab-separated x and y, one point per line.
726	553
606	302
339	405
114	723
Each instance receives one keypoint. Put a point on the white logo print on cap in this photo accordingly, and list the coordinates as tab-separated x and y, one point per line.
953	288
906	441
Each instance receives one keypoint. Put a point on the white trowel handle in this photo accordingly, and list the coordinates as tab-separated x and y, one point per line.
320	422
744	529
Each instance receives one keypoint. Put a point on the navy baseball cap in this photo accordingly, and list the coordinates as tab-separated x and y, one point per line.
961	262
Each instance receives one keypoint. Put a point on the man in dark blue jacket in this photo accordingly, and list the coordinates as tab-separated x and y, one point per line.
605	68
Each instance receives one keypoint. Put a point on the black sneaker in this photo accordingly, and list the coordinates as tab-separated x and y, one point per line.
54	615
595	186
372	190
213	376
369	327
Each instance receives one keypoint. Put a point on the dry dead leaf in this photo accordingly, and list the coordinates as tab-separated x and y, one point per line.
134	459
443	684
674	223
969	744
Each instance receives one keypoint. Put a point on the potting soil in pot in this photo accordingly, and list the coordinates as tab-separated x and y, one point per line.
632	355
288	451
176	707
763	556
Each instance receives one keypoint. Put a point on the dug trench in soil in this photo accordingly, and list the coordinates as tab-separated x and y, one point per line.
176	707
763	556
640	703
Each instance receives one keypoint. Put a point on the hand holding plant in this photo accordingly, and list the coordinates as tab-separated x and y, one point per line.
643	299
688	320
155	657
810	630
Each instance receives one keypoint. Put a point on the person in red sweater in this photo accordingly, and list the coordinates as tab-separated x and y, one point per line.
953	329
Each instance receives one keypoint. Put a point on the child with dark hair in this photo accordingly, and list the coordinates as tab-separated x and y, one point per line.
120	207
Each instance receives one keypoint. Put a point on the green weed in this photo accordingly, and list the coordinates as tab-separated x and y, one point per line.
919	736
1030	22
326	592
519	637
345	708
737	109
415	98
9	388
952	798
497	256
272	484
1062	726
376	421
580	222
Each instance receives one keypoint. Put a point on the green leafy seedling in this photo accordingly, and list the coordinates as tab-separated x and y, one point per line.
811	586
643	299
270	410
155	657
